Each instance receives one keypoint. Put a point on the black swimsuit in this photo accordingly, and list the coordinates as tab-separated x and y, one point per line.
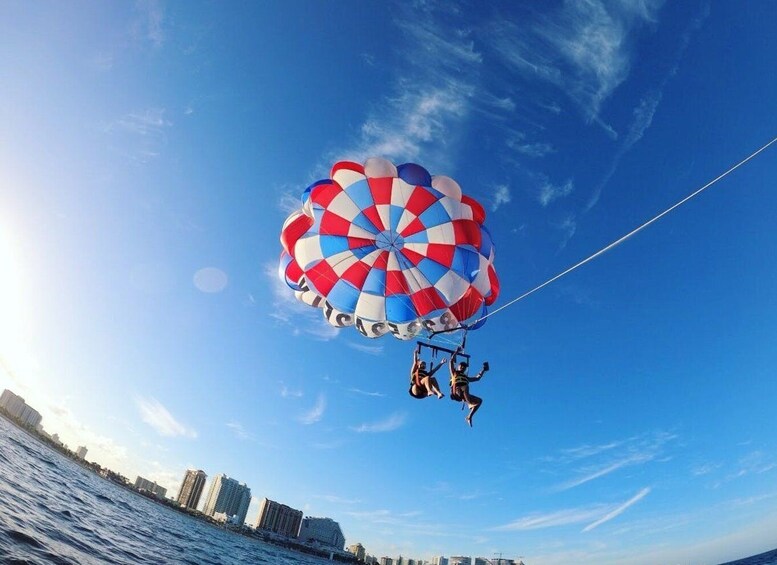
421	375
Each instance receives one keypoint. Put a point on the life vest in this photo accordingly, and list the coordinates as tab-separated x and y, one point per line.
459	379
421	374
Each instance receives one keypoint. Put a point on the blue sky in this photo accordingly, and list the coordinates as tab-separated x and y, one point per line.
150	152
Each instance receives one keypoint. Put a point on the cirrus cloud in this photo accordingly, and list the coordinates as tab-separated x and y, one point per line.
153	413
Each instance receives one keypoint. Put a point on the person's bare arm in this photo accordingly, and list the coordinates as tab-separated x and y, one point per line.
434	369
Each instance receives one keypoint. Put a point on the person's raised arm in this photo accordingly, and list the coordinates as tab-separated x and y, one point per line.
480	374
434	369
452	363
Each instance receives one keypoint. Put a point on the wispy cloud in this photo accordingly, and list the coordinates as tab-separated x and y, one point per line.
66	423
702	470
239	431
568	227
149	25
595	515
586	450
615	512
368	59
582	48
409	521
337	499
642	118
755	462
500	196
327	445
148	122
102	62
519	143
591	462
643	113
635	459
287	392
316	413
290	200
425	105
140	135
550	192
366	393
403	135
376	350
389	424
153	413
553	519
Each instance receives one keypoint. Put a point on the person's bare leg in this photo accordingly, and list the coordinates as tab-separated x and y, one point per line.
474	404
434	387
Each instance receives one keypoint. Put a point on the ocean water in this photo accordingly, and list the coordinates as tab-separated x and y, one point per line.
768	558
54	511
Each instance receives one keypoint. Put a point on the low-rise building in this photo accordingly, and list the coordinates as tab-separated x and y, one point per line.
150	487
19	409
358	550
322	530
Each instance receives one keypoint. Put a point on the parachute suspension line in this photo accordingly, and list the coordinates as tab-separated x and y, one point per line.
632	232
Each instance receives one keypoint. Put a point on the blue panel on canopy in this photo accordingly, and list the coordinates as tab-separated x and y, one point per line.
343	296
360	193
395	213
399	309
432	270
333	244
375	282
465	263
434	215
364	222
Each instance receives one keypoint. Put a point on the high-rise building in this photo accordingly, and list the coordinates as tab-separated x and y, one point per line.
81	452
150	486
227	496
279	518
323	530
191	488
440	560
18	408
386	561
358	550
459	560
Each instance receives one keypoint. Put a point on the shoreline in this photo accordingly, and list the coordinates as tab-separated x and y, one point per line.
68	455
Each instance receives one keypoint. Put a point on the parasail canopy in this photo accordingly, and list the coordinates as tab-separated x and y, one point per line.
390	249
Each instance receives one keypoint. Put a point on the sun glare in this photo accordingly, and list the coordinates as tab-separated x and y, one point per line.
11	302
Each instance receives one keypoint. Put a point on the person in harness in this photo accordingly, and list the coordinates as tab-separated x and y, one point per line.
422	382
460	385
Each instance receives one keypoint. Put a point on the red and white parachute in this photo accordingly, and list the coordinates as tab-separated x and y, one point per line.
390	249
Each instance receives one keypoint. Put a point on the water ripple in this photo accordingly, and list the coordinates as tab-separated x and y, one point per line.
54	511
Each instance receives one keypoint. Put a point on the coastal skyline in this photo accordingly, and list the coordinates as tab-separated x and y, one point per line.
149	155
